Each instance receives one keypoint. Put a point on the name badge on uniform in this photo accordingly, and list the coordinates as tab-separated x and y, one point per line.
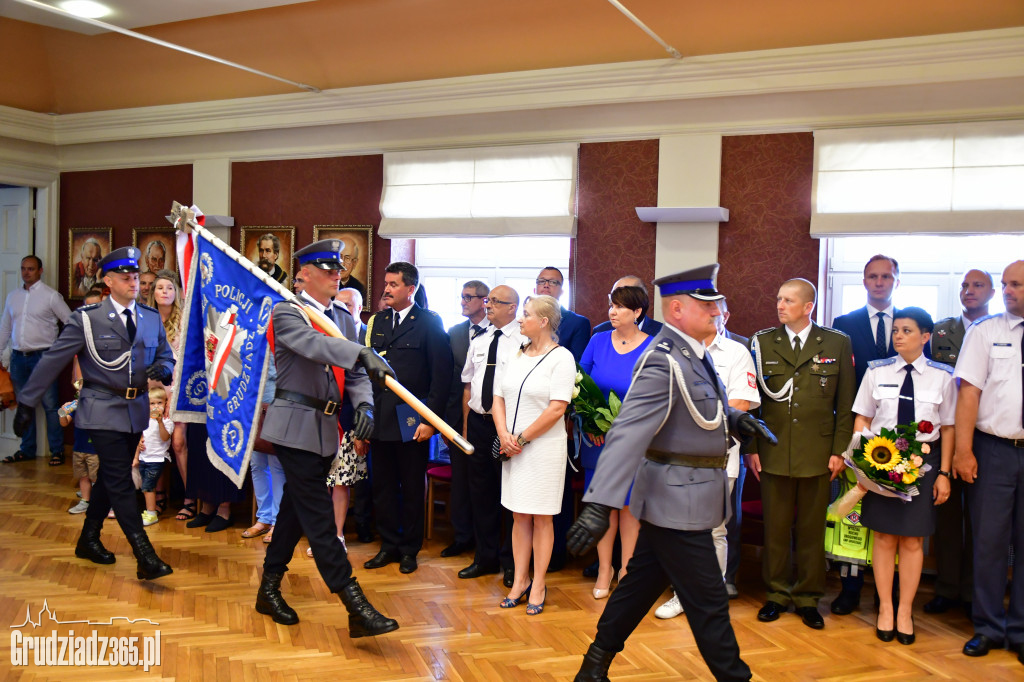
771	362
107	336
1002	344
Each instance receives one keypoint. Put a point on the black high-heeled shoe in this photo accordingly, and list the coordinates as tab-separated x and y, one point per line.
884	635
904	638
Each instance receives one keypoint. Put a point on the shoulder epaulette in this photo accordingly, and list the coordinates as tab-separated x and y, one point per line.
665	345
90	306
765	331
832	330
147	307
940	365
873	364
986	318
946	320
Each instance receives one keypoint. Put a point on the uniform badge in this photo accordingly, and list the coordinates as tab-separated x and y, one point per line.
941	332
111	315
131	252
751	380
685	352
952	356
335	245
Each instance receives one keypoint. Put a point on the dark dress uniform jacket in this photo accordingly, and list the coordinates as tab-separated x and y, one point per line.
458	337
420	354
303	356
947	339
98	410
818	421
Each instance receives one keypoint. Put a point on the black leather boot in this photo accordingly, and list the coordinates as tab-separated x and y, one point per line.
269	601
595	665
363	619
89	545
149	564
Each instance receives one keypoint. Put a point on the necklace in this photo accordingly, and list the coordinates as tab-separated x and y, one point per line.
625	342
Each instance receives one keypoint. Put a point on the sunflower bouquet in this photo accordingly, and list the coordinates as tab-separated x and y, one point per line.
889	464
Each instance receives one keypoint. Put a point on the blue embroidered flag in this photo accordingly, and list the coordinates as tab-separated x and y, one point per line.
222	363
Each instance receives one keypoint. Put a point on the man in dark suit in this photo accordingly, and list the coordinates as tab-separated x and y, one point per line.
414	343
574	334
120	344
473	294
870	332
574	329
648	325
954	580
805	375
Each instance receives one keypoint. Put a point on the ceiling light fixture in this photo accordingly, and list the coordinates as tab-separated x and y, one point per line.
162	43
85	8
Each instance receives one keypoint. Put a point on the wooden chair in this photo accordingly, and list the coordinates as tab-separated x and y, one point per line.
437	476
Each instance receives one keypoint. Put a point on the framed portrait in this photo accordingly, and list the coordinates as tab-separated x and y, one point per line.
357	255
86	248
272	249
158	248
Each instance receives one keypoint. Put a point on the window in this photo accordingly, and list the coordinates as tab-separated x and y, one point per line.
497	191
445	264
957	178
931	270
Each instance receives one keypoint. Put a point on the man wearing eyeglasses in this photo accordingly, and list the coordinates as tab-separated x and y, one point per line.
485	362
474	293
349	259
574	329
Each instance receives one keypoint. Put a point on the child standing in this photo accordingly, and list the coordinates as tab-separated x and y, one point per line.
153	452
85	463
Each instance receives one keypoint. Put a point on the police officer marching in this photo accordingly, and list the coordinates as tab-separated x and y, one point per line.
120	344
670	442
303	423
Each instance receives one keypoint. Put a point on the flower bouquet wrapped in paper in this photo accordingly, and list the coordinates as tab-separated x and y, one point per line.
888	464
589	410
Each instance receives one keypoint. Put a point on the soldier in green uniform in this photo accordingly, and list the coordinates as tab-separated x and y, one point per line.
954	583
807	382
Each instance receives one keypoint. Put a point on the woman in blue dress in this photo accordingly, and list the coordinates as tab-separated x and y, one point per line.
609	359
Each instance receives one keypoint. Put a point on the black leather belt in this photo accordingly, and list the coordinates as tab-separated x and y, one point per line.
328	407
129	393
1012	442
663	457
29	353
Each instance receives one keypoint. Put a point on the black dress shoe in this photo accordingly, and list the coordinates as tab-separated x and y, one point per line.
455	549
904	638
407	564
845	603
770	611
382	559
940	604
811	617
884	635
508	579
980	645
475	570
1019	648
591	570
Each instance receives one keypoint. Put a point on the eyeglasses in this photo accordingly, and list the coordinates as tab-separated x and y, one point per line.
348	259
552	282
494	300
468	298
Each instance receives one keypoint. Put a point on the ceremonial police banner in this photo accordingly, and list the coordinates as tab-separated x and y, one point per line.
222	364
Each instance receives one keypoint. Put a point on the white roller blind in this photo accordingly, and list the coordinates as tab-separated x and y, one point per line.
958	178
493	191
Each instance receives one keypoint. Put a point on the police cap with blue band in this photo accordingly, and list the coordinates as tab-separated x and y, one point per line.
700	283
125	259
324	254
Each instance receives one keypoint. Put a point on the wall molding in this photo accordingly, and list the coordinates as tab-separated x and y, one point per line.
971	56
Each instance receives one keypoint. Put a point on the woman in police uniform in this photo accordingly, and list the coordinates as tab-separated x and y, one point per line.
902	390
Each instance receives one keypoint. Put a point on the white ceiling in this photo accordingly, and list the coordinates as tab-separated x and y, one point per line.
135	13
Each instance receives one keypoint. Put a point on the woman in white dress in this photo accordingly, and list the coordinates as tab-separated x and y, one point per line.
529	409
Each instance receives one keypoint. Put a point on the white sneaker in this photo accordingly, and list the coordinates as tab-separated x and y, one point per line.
669	609
149	518
80	508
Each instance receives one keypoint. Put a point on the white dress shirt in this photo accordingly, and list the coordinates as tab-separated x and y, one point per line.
697	346
990	359
804	334
119	309
735	366
476	360
873	319
30	317
934	395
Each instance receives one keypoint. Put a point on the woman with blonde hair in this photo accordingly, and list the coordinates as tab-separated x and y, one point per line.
528	411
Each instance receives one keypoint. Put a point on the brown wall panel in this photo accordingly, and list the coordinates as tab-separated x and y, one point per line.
342	190
766	185
123	198
614	178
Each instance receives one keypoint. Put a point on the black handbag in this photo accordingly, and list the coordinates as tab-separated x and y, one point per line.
496	452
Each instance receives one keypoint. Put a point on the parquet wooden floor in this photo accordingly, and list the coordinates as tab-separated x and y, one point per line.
451	629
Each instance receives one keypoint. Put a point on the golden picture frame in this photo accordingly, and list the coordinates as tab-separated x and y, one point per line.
357	255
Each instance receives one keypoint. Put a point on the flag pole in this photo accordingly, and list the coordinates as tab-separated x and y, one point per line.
184	220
